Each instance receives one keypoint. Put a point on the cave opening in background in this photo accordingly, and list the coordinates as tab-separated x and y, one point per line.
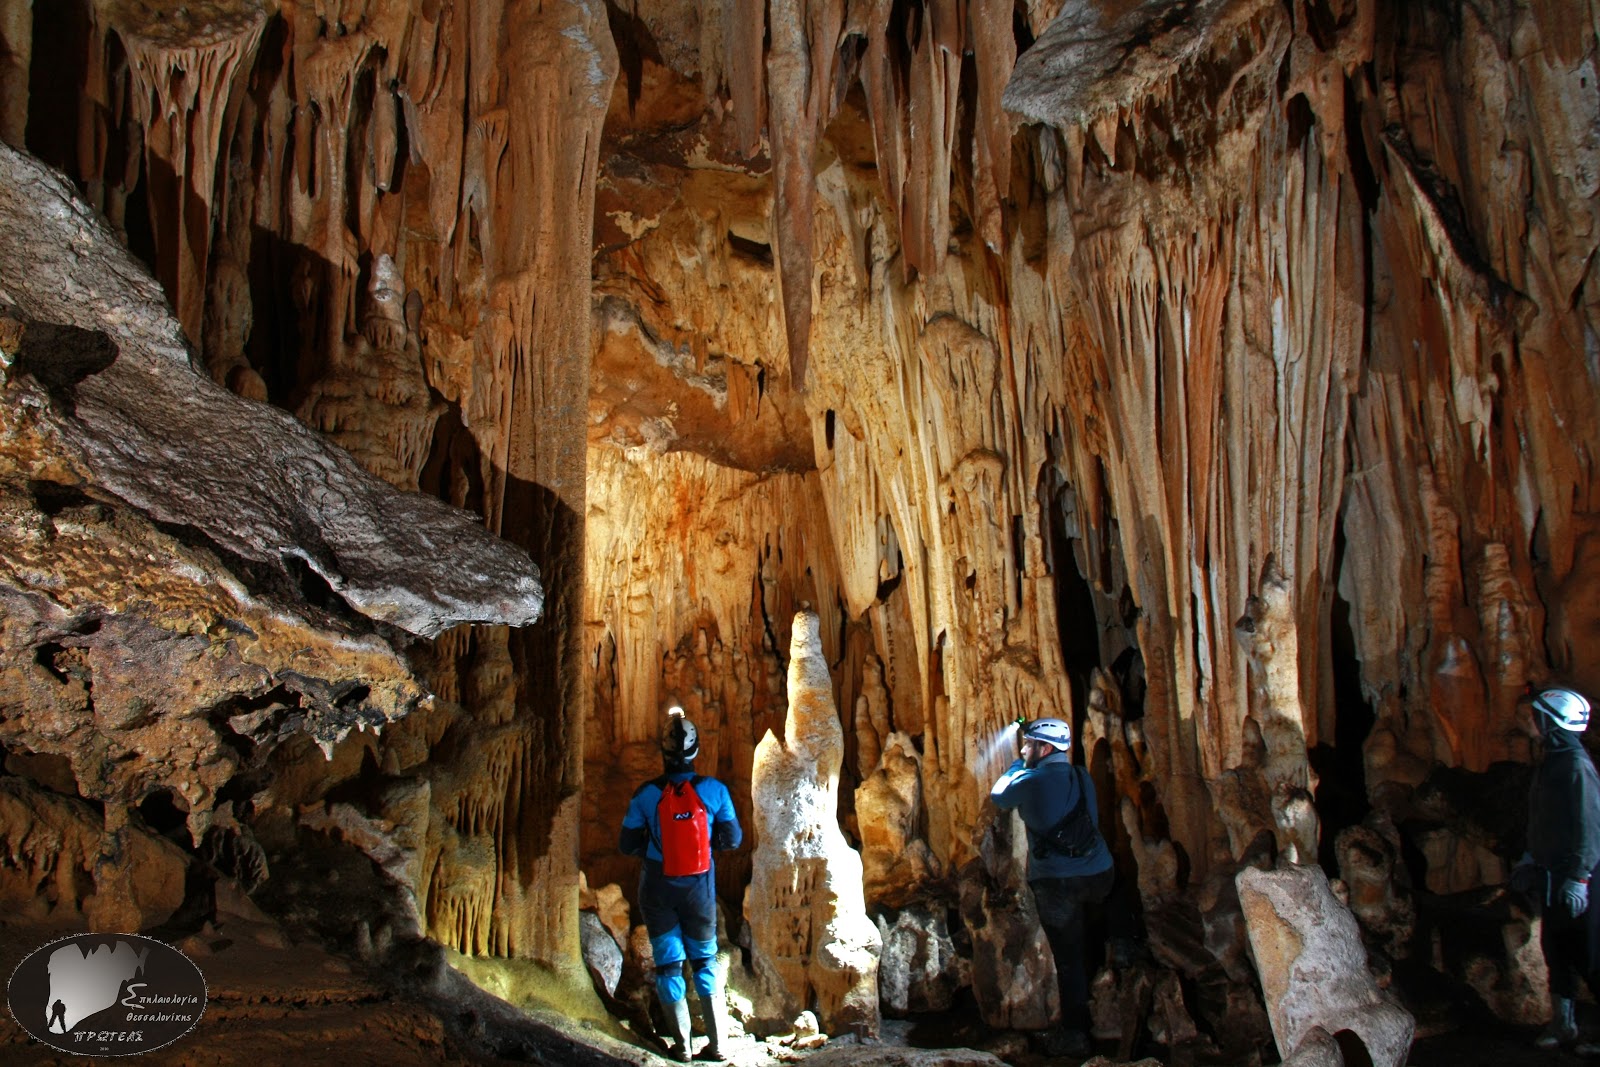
1077	625
1341	796
163	814
60	46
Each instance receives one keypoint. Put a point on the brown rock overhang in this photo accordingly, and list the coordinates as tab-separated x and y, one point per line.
115	396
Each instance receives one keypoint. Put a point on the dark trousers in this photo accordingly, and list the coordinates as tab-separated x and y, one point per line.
1061	903
1571	946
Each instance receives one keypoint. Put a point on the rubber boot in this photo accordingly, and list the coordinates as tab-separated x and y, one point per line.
1562	1029
714	1018
677	1013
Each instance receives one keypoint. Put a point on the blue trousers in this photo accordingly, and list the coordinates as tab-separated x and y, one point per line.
680	914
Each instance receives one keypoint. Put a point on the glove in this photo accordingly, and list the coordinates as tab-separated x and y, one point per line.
1526	876
1574	897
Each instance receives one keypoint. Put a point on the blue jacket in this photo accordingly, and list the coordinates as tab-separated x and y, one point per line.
641	832
1043	794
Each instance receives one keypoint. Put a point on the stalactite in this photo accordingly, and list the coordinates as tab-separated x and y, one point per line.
805	37
375	401
743	28
994	47
185	75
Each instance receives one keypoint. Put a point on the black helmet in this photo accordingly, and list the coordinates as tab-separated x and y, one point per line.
680	741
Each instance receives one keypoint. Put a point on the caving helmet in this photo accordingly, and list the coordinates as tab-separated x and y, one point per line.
680	741
1051	731
1563	708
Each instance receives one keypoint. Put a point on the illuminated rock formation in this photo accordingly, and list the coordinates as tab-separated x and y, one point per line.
811	940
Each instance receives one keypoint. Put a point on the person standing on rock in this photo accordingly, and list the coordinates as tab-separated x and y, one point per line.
1563	858
674	822
1069	865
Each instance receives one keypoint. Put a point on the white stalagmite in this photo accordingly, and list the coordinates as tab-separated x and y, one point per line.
812	943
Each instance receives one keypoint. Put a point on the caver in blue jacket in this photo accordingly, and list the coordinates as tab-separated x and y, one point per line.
680	913
1043	794
1069	865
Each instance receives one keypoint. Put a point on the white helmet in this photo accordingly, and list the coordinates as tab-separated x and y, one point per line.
1563	708
680	741
1051	731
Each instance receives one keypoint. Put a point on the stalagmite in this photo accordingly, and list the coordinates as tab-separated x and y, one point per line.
919	969
1013	973
1270	633
896	862
811	940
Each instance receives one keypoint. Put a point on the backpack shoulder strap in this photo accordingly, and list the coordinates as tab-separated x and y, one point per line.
1083	790
659	783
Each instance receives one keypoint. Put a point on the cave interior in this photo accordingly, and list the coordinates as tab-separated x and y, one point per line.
407	401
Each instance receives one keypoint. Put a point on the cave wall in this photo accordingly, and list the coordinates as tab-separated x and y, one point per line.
1251	367
1268	256
1243	341
198	618
373	214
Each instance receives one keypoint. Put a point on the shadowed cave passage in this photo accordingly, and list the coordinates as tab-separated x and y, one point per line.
860	378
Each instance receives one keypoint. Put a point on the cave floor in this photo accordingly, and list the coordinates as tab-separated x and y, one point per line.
1490	1043
273	1002
268	1003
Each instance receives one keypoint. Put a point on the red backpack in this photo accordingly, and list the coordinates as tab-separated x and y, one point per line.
685	829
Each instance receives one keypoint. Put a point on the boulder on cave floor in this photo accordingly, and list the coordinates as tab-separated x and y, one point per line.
1313	968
